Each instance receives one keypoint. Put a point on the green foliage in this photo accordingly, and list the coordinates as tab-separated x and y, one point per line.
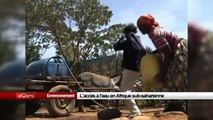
12	9
11	29
32	51
7	51
104	65
80	26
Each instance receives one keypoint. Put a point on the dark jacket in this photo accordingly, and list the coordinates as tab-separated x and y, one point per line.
133	51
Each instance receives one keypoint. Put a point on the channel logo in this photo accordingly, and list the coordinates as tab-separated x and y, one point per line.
25	95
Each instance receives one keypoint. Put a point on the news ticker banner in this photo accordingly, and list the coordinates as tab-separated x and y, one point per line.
107	95
145	95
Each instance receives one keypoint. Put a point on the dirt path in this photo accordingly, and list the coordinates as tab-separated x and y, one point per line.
42	114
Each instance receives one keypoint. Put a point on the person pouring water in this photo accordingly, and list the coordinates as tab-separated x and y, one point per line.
173	53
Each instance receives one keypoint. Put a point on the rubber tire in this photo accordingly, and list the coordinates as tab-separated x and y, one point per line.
31	106
51	104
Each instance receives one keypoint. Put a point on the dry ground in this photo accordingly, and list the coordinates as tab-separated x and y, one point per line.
42	114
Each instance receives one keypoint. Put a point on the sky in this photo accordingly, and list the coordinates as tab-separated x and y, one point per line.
200	11
171	14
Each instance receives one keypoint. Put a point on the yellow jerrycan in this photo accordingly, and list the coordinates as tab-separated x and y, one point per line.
149	68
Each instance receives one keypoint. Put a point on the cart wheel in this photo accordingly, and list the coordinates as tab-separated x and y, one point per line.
31	106
60	107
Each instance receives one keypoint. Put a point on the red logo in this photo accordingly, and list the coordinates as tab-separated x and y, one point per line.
25	96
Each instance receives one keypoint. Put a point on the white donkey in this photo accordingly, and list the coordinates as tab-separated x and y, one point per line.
92	79
95	80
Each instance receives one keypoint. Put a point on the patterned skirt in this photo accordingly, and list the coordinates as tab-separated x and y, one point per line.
177	70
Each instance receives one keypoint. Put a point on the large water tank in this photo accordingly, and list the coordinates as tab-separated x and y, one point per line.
47	68
12	76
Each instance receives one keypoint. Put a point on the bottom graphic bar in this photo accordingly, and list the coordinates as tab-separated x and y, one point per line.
107	95
146	95
37	95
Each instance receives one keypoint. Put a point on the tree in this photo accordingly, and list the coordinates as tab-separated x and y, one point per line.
11	29
32	51
79	26
7	51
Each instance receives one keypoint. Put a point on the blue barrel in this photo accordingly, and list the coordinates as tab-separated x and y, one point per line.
51	67
12	76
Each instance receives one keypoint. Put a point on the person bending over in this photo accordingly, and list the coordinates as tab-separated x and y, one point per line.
173	53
